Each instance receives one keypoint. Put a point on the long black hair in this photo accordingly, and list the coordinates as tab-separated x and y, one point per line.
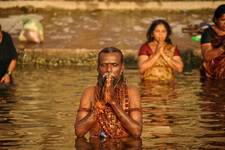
220	10
152	27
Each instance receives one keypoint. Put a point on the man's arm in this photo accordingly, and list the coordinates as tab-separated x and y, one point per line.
85	118
132	123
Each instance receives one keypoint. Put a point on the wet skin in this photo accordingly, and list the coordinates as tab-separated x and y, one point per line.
86	121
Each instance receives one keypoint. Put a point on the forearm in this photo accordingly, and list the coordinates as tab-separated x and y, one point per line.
211	54
12	65
83	126
148	63
174	64
133	127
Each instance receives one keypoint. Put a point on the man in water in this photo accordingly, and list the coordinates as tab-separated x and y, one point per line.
111	108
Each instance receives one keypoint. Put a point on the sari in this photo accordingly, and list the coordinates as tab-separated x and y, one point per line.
215	68
161	70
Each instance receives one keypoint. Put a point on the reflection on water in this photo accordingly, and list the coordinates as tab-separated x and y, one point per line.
38	112
108	144
212	106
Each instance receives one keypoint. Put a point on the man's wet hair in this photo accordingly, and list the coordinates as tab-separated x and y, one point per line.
220	10
111	50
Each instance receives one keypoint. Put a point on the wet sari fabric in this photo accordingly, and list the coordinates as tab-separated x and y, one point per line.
215	68
160	70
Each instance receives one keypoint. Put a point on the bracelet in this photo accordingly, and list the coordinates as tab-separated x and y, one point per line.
221	49
9	73
169	59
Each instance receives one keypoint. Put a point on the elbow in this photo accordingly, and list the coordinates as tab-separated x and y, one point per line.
79	132
141	70
14	61
137	132
180	68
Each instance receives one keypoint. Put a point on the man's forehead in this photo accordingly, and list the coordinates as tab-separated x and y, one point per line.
110	58
109	62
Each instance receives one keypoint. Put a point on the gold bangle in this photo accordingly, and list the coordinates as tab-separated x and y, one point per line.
9	73
221	49
169	59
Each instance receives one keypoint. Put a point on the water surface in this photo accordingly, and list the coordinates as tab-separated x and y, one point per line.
100	28
38	112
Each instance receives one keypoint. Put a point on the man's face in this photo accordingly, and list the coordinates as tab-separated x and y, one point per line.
110	63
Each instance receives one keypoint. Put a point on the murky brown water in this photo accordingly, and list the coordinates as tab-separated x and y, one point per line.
98	29
38	112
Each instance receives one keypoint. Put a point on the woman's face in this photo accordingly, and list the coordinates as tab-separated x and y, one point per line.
160	33
221	22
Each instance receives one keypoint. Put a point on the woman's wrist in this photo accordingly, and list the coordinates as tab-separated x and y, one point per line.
9	73
221	48
167	59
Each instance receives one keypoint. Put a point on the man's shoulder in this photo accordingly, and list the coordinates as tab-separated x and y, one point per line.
89	89
134	96
88	94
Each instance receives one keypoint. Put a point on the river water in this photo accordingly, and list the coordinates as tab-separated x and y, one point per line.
97	29
38	111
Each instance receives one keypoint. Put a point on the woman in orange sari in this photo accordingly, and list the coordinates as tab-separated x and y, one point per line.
158	58
213	47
